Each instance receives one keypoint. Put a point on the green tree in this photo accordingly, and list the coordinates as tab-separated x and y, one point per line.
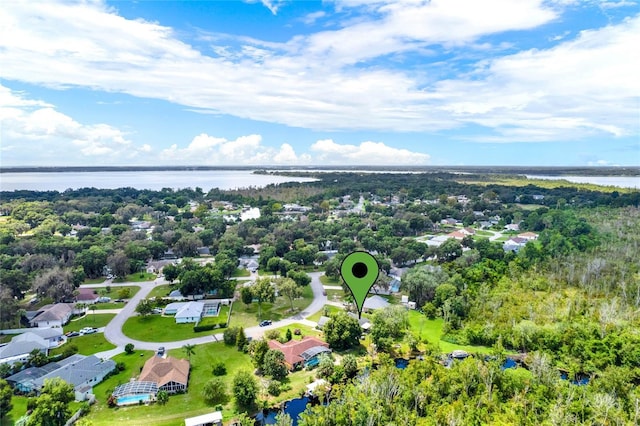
5	398
128	348
257	350
449	250
245	389
189	350
350	365
288	336
263	291
273	365
246	295
52	406
145	307
342	331
241	340
288	288
421	283
162	397
37	358
283	419
171	272
215	391
325	366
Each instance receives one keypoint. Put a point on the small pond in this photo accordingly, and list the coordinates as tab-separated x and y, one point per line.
401	363
293	408
580	379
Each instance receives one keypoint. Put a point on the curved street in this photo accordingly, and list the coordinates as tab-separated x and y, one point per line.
113	330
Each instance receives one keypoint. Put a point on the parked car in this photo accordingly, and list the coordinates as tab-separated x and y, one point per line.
265	323
72	334
161	350
88	330
156	310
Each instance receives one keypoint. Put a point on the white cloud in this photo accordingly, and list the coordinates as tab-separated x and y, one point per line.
34	132
245	150
322	81
367	153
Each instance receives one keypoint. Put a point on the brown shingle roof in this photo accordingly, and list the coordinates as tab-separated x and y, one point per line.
165	370
293	348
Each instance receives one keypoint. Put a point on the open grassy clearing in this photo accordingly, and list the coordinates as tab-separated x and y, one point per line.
87	345
325	280
138	277
330	309
241	273
545	183
160	328
115	291
108	305
89	320
247	315
431	331
161	291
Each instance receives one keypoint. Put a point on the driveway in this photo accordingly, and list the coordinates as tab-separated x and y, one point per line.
113	330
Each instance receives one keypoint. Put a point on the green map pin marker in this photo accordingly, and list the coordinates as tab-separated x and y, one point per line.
359	271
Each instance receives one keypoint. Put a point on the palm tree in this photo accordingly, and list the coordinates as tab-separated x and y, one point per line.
189	350
93	310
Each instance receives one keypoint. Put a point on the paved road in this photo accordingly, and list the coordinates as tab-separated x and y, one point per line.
113	330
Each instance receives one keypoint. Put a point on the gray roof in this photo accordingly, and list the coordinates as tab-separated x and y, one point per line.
322	321
56	312
80	372
20	348
46	333
32	373
375	302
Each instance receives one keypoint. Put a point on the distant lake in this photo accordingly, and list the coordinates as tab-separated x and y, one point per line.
154	180
619	181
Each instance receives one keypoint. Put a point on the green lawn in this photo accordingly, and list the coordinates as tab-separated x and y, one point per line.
114	291
304	329
325	280
20	409
87	345
109	305
161	290
99	280
179	406
158	328
138	277
332	309
241	273
431	331
247	315
335	295
481	233
89	320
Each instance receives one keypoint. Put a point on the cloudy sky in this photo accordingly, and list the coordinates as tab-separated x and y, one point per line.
362	82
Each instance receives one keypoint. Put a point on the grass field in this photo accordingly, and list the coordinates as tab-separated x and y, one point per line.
161	290
431	331
247	315
241	273
545	183
158	328
89	320
87	345
330	308
325	280
114	292
109	305
138	277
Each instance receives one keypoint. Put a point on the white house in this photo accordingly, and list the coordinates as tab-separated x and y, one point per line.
52	315
185	312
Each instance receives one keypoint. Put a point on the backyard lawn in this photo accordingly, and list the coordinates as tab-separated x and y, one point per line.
247	315
87	345
241	273
89	320
20	409
325	280
108	305
159	328
179	406
431	331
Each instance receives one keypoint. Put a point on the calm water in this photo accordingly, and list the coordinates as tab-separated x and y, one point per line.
619	181
154	180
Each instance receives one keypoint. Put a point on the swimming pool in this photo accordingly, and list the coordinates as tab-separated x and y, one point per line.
133	399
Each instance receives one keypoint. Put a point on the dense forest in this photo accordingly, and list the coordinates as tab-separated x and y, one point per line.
567	304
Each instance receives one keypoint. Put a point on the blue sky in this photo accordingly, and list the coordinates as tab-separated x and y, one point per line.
358	82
